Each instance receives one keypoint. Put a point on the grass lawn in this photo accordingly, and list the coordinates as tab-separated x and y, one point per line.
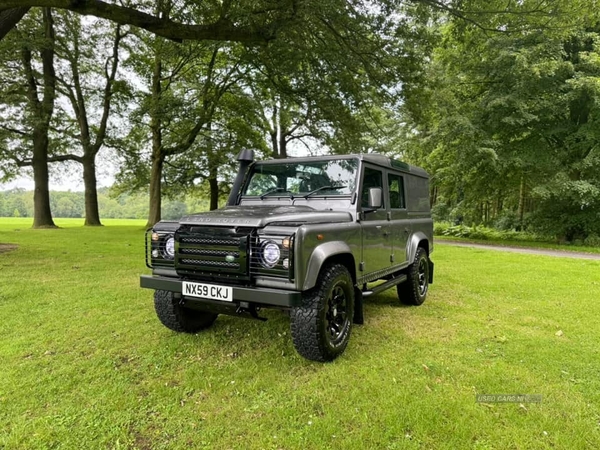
84	362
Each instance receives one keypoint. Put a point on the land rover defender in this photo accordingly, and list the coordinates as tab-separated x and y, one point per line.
310	236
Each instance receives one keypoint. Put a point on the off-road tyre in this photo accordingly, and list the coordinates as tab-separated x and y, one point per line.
177	318
321	327
414	290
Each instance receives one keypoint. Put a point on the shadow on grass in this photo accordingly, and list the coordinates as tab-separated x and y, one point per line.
386	298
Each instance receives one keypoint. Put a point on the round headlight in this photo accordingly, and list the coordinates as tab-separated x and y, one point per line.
270	254
169	248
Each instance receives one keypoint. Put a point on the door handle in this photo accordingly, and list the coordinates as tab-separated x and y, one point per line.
378	227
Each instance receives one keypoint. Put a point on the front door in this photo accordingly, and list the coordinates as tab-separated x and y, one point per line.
377	241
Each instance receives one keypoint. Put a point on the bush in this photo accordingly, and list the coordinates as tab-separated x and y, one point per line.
440	212
566	221
593	240
440	227
507	220
482	233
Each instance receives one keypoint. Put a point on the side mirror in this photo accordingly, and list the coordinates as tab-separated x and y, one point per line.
375	198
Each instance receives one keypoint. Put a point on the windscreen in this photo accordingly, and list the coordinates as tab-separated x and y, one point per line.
314	178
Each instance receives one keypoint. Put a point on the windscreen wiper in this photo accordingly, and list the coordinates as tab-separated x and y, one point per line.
322	188
272	191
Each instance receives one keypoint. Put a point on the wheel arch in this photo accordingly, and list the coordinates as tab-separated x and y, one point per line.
418	239
337	252
330	252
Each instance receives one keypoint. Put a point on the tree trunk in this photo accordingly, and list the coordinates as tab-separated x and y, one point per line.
212	180
158	154
92	215
521	202
274	144
283	144
154	214
9	18
214	191
42	216
433	196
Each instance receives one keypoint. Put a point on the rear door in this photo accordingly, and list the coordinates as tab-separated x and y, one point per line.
399	223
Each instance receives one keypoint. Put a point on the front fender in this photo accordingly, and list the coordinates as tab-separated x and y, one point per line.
319	255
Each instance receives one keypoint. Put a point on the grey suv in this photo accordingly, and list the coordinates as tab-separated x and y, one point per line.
310	236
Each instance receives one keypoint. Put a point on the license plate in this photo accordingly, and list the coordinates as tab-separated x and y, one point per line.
209	291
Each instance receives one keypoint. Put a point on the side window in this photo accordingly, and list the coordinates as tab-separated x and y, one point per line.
371	178
396	185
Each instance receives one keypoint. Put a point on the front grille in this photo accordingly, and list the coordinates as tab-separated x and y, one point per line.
199	241
212	251
203	252
211	263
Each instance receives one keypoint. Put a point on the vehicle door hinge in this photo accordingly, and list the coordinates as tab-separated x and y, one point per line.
361	266
392	258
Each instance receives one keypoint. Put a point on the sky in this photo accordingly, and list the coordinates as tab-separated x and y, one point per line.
67	179
70	178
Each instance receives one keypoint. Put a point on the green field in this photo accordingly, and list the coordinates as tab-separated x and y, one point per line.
84	363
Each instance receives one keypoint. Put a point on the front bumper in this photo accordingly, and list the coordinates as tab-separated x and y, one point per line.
260	296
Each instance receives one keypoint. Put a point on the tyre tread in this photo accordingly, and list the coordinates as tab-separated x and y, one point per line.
408	292
304	320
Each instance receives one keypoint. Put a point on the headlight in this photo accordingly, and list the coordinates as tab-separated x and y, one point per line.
270	254
168	250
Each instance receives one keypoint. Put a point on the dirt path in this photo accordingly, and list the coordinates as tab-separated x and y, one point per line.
527	251
7	247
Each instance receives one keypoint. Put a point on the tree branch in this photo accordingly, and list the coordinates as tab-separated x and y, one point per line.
32	90
108	92
221	30
9	18
63	158
14	130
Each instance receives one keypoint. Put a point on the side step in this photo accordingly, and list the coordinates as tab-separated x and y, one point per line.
384	286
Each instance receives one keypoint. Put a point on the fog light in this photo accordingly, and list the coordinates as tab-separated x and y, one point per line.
155	253
285	263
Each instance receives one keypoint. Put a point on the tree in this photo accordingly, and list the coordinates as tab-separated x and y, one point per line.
80	47
508	126
185	85
31	100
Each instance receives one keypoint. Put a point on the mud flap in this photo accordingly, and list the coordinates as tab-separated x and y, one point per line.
358	307
430	272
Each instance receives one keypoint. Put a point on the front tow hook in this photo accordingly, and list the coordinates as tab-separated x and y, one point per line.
246	309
